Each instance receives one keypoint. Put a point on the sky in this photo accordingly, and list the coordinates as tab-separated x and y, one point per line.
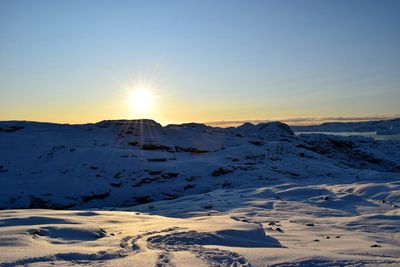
76	61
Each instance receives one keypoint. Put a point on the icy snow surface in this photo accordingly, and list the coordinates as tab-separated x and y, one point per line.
134	193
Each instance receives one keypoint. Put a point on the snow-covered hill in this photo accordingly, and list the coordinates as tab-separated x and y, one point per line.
195	195
381	127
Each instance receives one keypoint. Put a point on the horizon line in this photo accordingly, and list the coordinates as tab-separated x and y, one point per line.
291	121
303	121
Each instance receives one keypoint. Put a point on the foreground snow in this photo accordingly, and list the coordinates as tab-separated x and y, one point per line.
191	195
282	225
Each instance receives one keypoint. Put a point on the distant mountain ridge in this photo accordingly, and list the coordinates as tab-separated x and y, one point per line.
381	127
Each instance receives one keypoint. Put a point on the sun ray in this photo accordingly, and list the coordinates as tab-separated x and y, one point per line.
141	101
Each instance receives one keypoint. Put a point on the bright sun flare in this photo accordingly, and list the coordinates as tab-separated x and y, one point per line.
142	101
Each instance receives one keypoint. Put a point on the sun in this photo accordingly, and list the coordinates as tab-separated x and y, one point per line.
141	101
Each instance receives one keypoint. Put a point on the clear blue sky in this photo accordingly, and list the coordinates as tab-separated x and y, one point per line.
73	61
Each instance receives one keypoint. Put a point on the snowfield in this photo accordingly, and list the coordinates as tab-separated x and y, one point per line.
134	193
381	127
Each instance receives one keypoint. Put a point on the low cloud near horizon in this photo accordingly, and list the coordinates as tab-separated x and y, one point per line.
301	121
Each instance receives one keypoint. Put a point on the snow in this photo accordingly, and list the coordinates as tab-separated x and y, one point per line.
381	127
134	193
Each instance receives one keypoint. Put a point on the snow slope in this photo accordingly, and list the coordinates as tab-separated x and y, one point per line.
382	127
138	193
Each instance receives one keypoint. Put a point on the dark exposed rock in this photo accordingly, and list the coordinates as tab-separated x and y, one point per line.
95	196
255	157
170	175
116	184
256	142
161	179
154	172
2	168
227	184
146	181
143	199
156	147
221	171
190	150
133	143
38	203
189	186
170	196
207	206
11	129
119	174
158	159
35	232
191	178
